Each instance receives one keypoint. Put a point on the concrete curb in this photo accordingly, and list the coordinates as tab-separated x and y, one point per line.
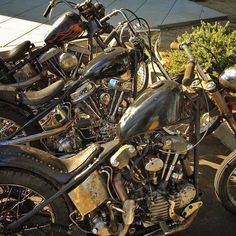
194	22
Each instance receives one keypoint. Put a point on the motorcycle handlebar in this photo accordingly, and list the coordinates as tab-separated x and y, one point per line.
190	66
47	11
188	74
175	46
109	16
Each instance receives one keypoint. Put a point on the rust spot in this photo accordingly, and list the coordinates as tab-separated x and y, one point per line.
154	125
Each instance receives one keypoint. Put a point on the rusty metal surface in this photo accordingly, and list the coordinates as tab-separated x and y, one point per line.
90	194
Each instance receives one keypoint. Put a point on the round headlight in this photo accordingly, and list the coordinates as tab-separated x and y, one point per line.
68	61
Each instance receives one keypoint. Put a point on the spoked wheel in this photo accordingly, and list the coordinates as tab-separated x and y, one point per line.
8	127
231	187
11	120
20	192
225	183
142	77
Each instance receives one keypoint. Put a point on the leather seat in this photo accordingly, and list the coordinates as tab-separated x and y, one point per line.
17	52
43	96
75	161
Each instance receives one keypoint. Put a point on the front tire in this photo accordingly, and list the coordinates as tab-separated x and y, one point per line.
20	192
225	183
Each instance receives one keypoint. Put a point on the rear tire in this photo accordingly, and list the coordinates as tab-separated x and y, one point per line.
13	183
221	183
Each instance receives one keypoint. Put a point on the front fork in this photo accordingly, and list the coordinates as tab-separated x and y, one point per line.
224	109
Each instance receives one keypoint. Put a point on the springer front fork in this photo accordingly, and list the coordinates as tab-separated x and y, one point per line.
224	109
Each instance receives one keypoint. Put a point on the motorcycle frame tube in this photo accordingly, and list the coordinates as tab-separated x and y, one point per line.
35	55
41	114
196	148
75	181
34	137
223	107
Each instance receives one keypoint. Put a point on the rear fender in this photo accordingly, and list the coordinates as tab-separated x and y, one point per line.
33	160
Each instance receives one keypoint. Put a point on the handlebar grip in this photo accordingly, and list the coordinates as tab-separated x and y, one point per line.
188	74
47	11
175	45
109	16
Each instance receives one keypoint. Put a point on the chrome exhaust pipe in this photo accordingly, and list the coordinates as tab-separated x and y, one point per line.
177	228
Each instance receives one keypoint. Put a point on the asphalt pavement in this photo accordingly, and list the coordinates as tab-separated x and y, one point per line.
212	219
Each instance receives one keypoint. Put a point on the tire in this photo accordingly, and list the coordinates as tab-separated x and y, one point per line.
11	114
15	180
222	178
142	74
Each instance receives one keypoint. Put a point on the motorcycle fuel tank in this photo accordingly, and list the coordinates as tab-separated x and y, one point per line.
156	107
228	78
66	28
113	62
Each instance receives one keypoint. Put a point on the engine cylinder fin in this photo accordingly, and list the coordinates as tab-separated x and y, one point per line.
159	207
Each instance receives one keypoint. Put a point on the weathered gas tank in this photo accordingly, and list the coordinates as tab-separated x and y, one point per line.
66	28
228	78
157	107
113	62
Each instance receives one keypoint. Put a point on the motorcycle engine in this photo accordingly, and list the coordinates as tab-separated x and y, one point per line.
161	201
69	139
102	105
65	62
159	206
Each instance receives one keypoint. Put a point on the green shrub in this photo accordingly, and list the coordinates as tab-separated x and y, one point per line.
214	37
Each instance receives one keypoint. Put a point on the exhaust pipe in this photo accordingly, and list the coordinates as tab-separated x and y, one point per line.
176	228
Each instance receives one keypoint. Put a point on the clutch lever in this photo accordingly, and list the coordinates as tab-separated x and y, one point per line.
50	8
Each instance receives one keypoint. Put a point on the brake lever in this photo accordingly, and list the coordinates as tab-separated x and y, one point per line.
48	11
50	14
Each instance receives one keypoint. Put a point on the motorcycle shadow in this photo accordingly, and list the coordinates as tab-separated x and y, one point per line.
212	218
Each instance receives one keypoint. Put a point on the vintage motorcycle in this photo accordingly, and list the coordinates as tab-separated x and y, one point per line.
65	52
141	183
60	56
144	182
92	113
225	175
225	183
71	119
85	111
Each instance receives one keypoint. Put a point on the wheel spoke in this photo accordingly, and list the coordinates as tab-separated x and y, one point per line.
231	187
16	201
